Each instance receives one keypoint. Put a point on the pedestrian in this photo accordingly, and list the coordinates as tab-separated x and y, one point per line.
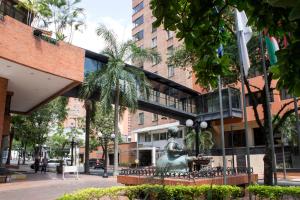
36	164
44	165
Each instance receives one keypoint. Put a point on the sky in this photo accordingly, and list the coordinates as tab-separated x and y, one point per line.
115	14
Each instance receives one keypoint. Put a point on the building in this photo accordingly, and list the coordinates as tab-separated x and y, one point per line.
151	129
34	68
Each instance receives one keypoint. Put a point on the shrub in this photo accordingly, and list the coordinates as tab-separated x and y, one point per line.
274	192
153	192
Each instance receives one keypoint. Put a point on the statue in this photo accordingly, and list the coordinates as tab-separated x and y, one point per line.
174	158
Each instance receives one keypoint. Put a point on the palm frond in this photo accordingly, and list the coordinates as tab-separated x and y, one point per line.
109	37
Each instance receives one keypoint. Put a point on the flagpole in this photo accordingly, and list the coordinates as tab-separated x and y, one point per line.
222	130
268	110
244	107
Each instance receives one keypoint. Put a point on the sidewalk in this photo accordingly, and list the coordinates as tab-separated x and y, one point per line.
50	186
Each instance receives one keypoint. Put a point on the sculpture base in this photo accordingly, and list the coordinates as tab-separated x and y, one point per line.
240	179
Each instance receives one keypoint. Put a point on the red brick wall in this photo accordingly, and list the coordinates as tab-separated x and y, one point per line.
18	44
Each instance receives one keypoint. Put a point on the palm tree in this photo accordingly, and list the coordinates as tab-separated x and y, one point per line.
116	83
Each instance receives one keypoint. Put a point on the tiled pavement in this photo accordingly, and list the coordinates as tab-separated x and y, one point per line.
50	186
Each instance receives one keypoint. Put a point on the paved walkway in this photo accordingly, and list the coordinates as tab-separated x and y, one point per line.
50	186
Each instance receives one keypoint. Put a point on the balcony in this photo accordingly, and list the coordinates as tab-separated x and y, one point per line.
209	107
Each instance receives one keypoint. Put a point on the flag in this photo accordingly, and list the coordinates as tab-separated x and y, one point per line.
272	47
244	34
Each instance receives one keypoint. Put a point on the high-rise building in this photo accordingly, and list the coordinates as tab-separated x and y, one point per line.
144	124
151	129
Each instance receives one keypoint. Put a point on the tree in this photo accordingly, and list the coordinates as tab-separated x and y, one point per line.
205	140
206	25
116	83
63	17
33	129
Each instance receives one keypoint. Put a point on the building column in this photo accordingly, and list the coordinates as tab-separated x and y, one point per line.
3	93
153	156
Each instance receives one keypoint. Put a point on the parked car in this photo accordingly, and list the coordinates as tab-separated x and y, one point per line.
52	163
99	164
96	163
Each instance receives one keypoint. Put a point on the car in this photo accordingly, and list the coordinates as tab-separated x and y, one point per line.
96	163
52	163
99	164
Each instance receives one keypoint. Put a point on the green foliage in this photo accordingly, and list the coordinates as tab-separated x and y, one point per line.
160	192
34	128
116	83
61	16
60	141
205	140
204	25
274	192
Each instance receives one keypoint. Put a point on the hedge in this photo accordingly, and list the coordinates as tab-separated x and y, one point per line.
168	192
274	192
153	192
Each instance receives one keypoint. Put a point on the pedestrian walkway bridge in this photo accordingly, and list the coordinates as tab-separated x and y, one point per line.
174	100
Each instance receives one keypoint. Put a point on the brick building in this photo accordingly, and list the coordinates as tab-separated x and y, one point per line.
151	128
33	70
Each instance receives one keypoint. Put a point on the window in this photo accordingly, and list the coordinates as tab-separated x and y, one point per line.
156	137
170	51
138	21
154	117
258	95
138	36
91	65
179	134
163	136
155	95
147	137
169	34
235	138
138	7
259	137
284	94
171	71
141	118
154	29
154	42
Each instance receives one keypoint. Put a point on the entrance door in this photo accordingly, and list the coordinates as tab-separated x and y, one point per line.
145	157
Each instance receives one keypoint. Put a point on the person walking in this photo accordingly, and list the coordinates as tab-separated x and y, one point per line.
44	165
36	164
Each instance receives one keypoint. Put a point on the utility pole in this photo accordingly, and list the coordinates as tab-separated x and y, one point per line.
222	130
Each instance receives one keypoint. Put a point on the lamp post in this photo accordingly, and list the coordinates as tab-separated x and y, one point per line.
104	139
198	127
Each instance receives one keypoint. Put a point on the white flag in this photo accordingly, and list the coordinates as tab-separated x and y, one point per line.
244	34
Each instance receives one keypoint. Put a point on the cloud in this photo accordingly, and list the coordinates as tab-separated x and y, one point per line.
88	39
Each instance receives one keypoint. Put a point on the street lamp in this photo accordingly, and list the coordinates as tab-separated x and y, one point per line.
203	125
104	138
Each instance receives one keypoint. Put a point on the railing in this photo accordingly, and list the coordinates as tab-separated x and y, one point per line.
183	104
203	173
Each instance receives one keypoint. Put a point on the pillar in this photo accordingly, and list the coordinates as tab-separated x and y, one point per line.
3	93
154	156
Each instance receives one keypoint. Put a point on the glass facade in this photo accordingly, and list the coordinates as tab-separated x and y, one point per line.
209	103
91	65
